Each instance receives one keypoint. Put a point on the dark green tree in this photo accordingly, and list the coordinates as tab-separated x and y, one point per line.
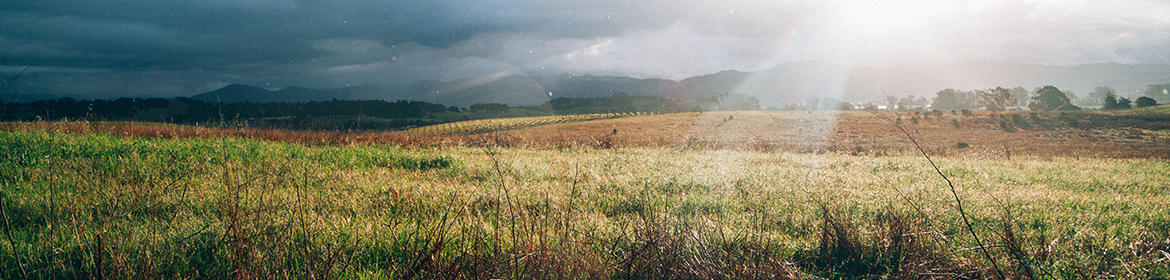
1145	101
1049	98
1124	103
1109	102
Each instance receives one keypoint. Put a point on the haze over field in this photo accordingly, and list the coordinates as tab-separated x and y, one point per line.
110	49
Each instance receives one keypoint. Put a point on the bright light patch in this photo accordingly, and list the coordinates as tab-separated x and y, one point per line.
885	17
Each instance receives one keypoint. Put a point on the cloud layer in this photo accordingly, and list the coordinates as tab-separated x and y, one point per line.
179	48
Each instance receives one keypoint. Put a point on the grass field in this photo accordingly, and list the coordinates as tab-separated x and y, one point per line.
726	195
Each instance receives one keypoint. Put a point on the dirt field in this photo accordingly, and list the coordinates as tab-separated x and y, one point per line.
852	132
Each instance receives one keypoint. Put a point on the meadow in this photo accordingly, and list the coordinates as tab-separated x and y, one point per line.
716	195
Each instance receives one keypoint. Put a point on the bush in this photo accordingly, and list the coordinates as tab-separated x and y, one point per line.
955	123
1019	121
1072	122
963	145
1122	103
966	112
1145	102
1006	126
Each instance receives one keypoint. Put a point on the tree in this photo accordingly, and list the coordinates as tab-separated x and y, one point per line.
1109	102
1097	97
995	99
844	106
1021	96
910	103
1159	92
1072	96
1048	98
949	99
905	103
1145	102
1123	103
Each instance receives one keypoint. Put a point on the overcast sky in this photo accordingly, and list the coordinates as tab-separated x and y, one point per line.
104	48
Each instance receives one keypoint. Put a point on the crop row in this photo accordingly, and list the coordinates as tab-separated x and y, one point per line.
490	125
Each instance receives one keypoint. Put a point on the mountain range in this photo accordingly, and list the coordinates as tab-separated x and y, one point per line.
783	84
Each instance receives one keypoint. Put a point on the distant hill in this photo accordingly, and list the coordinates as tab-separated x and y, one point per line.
784	84
514	90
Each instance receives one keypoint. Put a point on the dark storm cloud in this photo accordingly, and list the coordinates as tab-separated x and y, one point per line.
97	47
229	38
177	34
278	39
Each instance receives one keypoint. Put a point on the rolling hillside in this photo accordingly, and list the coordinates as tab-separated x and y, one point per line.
783	84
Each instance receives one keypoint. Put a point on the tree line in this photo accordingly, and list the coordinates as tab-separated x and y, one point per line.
346	114
1046	98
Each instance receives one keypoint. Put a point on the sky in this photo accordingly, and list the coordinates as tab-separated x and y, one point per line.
137	48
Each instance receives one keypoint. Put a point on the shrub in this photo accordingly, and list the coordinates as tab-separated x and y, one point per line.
1145	102
1019	121
963	145
1006	126
1122	103
966	112
955	123
1072	122
914	120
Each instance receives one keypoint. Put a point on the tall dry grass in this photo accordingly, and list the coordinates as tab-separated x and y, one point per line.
91	205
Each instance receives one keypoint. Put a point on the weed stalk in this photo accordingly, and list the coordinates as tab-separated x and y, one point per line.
955	194
8	233
507	195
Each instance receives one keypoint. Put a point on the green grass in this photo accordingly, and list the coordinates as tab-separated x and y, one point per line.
79	206
1157	109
